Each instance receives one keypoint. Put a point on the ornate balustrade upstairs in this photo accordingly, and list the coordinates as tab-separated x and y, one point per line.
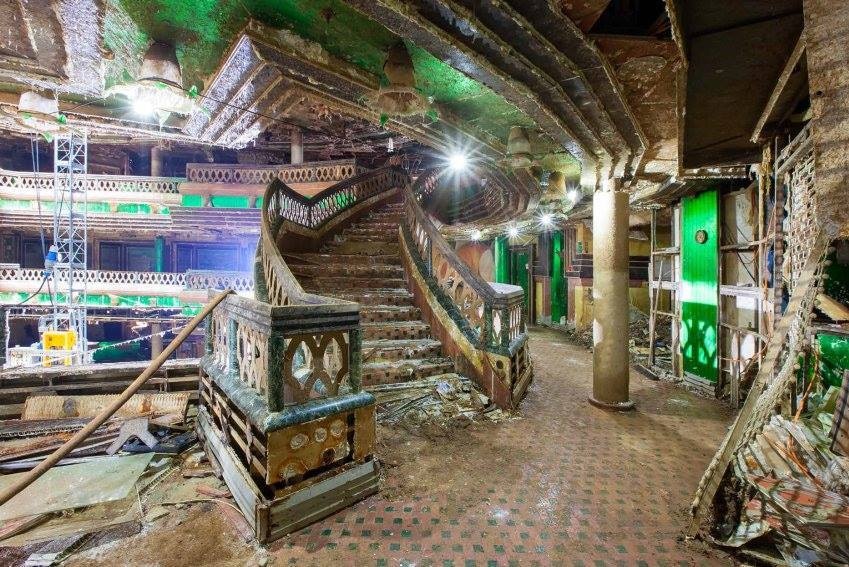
218	280
311	172
23	183
487	321
17	279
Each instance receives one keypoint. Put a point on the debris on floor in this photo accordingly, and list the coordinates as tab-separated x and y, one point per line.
795	490
444	400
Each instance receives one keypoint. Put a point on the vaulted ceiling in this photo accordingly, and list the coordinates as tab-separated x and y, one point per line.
592	81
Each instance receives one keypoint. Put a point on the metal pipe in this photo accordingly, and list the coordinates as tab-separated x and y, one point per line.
101	418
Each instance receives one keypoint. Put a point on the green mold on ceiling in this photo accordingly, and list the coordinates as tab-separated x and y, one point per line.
202	31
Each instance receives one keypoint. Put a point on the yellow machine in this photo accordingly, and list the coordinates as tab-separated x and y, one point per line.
58	340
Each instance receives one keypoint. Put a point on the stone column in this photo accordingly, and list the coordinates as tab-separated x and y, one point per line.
155	161
297	146
155	340
610	298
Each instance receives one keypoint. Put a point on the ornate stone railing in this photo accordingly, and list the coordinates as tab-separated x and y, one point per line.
311	172
214	279
287	354
281	203
490	317
20	180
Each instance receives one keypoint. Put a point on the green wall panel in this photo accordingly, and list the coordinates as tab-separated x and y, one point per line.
558	291
699	285
519	273
501	259
192	200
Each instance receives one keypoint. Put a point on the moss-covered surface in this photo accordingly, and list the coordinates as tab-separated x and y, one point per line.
202	30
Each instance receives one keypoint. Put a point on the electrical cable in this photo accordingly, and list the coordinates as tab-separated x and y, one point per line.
36	292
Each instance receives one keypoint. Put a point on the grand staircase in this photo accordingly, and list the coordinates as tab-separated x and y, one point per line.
363	264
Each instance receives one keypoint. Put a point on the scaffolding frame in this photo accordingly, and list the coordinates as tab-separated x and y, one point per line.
69	294
668	257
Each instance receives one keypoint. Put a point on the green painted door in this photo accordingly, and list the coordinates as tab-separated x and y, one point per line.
501	259
519	273
558	291
699	284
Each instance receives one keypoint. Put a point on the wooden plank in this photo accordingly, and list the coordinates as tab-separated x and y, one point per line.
322	499
832	309
245	492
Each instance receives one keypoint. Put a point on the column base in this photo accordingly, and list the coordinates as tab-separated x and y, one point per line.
616	406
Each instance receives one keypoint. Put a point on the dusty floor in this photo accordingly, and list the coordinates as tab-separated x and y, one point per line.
565	484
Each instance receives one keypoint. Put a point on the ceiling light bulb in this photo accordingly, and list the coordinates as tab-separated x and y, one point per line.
142	106
513	232
476	235
546	219
457	161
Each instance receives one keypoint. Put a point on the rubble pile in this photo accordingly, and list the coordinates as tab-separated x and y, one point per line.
142	465
795	491
443	400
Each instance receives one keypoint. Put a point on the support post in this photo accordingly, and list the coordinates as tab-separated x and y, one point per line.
610	298
155	340
155	161
159	254
297	146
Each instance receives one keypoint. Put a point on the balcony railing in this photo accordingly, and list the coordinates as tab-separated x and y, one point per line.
314	172
112	281
43	182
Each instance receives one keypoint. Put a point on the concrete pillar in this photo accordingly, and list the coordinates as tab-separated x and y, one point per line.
610	298
155	161
297	146
155	340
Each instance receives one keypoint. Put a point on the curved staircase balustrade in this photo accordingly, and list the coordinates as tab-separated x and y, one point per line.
287	346
483	324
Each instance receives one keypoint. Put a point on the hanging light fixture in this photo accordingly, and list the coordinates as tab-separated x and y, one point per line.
519	148
400	97
556	186
36	113
158	89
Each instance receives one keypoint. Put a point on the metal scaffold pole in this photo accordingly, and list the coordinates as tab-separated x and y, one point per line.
70	234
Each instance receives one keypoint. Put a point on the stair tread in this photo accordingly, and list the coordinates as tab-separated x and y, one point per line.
440	360
399	343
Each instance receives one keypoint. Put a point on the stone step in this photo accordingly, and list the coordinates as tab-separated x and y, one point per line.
376	224
368	248
374	233
376	238
334	269
327	284
396	330
375	296
376	373
400	349
383	313
319	259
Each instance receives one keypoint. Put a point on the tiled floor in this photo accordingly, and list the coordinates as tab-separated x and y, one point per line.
566	484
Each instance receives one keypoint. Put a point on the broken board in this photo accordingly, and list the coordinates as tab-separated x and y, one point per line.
75	486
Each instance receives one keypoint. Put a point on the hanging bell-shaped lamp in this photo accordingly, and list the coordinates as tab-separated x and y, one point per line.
35	113
519	148
160	65
556	186
399	97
